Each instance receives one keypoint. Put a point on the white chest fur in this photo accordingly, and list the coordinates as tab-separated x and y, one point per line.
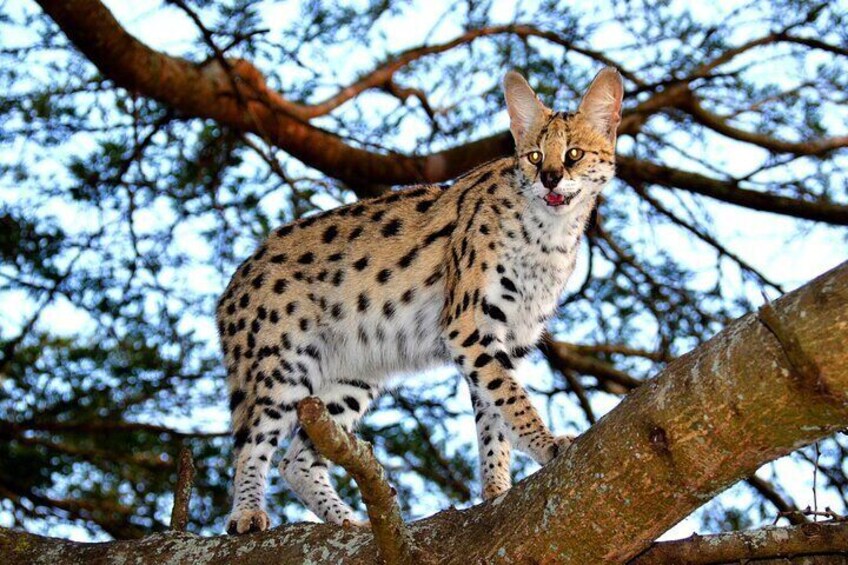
537	260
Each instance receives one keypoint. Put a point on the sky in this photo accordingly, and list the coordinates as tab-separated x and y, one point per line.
759	238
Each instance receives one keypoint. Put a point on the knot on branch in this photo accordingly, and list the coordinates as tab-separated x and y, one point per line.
802	364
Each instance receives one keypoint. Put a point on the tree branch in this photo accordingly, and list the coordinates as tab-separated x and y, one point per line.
788	543
637	171
357	458
719	124
785	508
182	491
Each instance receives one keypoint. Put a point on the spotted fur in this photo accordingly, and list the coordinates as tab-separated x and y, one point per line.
335	304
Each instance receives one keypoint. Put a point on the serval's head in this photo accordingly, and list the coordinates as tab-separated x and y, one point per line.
565	159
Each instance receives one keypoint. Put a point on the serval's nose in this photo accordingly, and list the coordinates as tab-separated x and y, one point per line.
551	178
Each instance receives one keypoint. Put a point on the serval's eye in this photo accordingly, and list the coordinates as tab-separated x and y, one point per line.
573	155
534	157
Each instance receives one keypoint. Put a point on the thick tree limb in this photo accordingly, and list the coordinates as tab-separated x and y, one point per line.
823	539
751	394
721	125
641	171
567	358
357	458
207	91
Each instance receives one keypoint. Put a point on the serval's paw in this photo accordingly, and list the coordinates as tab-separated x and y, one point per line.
348	523
561	444
494	490
248	521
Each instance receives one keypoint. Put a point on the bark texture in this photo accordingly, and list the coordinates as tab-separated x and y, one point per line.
768	384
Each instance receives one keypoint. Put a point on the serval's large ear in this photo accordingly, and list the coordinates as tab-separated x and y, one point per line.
523	105
601	105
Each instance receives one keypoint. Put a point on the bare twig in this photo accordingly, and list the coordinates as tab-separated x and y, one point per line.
706	238
827	513
576	386
357	458
182	492
785	508
563	357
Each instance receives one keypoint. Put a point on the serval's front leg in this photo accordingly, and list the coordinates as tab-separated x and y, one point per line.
489	370
494	448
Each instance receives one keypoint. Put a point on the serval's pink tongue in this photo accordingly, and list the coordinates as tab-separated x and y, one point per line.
554	199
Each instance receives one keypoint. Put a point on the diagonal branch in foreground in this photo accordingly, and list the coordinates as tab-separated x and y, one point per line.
357	458
751	394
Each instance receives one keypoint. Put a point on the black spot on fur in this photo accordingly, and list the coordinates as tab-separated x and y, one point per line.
362	302
424	205
389	309
482	360
236	398
445	231
306	258
433	278
471	339
504	360
352	403
280	286
407	259
240	437
355	234
384	276
330	234
361	263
